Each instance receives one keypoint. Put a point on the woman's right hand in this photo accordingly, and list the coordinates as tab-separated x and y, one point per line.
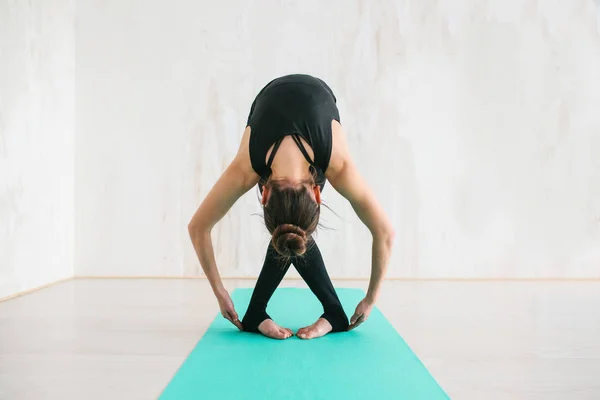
227	309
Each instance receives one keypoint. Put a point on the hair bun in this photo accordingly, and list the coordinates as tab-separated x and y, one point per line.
289	240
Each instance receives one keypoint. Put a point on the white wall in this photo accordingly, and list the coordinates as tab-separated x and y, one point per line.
476	124
37	114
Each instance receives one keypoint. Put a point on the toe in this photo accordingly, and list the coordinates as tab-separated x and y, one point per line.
278	334
283	333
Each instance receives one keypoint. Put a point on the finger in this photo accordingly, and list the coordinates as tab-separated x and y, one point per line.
238	324
354	326
355	318
356	323
228	317
235	320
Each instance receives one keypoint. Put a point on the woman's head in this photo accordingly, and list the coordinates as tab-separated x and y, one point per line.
291	214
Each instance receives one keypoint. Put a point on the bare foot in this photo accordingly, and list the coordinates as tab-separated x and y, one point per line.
274	331
318	329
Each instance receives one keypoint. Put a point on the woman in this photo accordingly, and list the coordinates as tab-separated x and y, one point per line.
292	144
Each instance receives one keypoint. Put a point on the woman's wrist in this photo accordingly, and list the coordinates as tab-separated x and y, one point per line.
371	298
218	289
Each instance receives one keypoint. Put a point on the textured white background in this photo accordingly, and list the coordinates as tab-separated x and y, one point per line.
37	128
475	122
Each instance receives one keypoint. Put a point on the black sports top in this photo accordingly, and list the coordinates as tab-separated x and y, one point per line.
296	105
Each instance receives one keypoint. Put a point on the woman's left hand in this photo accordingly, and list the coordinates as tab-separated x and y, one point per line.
363	309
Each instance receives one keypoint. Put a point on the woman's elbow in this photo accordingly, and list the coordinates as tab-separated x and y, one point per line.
195	228
385	235
192	229
390	235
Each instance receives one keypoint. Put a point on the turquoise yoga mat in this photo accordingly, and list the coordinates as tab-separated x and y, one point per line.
370	362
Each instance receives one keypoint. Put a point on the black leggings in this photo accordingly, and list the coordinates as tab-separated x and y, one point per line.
312	269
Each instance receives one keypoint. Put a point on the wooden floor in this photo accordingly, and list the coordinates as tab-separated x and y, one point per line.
124	339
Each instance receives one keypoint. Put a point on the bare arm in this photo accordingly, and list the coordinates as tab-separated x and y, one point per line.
345	178
237	179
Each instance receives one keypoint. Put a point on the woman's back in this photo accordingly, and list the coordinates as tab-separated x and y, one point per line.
292	104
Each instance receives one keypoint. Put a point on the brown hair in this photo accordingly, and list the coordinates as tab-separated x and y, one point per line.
291	216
